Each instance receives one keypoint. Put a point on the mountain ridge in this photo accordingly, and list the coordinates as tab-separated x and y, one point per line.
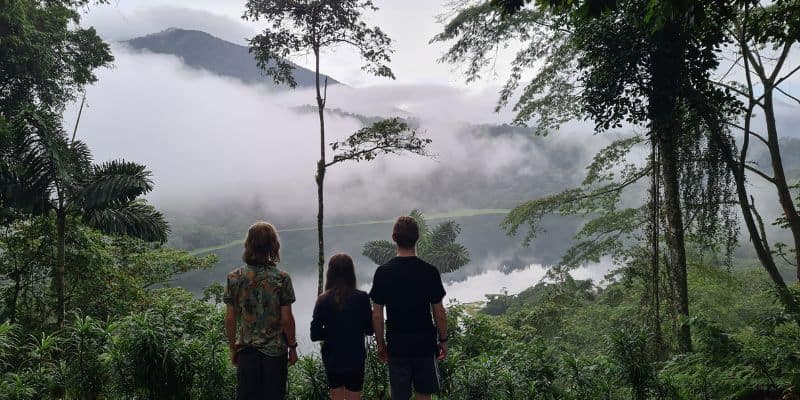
202	50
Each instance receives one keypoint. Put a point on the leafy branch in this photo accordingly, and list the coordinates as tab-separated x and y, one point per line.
388	136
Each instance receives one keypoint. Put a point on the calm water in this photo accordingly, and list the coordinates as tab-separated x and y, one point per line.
498	262
470	290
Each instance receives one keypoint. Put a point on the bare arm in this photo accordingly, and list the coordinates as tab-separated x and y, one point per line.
230	330
287	323
440	317
378	324
378	327
288	326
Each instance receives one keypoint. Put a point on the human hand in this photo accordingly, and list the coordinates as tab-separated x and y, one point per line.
292	356
234	356
383	353
442	351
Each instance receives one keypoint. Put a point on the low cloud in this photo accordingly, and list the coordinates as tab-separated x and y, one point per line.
209	139
121	22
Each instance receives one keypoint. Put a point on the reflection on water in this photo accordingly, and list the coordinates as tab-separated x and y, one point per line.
469	290
476	287
497	261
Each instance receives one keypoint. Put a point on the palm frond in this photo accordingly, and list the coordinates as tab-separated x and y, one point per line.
437	247
50	140
447	258
444	233
136	219
113	183
379	251
421	222
28	167
81	158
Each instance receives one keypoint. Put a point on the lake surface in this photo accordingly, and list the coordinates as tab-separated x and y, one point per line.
498	262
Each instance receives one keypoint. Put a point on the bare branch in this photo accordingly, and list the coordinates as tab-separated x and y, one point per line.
787	94
781	60
758	136
760	173
787	76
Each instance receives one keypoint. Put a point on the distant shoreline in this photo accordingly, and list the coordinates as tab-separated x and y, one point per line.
435	216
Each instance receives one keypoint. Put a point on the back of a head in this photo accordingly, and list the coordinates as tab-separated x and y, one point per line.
405	232
262	245
341	278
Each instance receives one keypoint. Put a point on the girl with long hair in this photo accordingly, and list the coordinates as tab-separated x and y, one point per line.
342	318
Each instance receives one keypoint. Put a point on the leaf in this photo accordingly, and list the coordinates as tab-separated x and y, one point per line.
379	251
388	136
448	257
136	219
114	182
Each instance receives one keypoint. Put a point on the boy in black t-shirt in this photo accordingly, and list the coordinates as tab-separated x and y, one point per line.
411	290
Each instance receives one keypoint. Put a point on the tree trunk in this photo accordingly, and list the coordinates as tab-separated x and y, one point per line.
16	276
654	249
779	175
320	178
667	76
675	237
759	242
61	228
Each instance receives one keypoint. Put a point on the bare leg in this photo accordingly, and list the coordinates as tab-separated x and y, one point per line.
419	396
352	395
338	393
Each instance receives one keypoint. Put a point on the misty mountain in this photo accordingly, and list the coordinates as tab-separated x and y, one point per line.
201	50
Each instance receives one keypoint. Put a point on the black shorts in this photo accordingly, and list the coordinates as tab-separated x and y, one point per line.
260	377
351	379
409	375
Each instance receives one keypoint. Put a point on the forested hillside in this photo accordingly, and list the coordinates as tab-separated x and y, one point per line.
203	51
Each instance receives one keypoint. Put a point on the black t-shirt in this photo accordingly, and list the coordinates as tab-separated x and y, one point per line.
407	286
342	330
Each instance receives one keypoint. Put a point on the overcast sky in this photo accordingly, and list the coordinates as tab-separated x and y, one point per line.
410	23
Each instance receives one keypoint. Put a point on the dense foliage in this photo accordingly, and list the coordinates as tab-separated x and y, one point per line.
571	339
562	339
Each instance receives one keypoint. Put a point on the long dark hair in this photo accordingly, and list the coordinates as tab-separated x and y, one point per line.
340	279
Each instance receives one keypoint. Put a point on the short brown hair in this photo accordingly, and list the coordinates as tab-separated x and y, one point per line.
405	232
262	245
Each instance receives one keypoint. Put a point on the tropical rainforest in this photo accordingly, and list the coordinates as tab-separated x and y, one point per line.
690	218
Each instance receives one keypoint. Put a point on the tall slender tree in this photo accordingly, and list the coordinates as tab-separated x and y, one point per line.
296	26
616	63
765	36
